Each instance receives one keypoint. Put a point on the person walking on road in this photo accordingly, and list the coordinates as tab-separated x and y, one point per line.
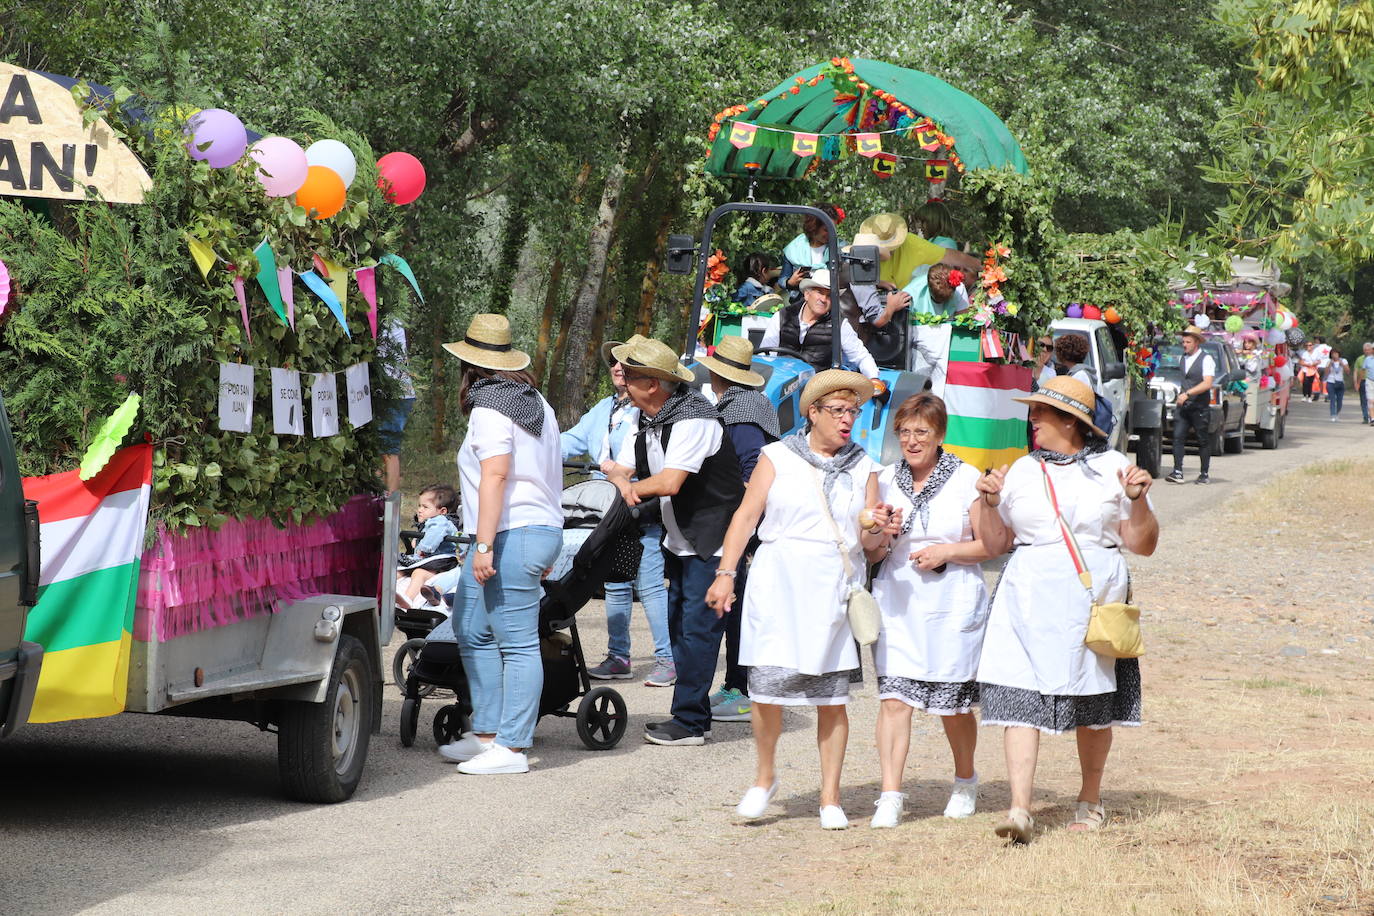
1035	674
679	454
599	435
932	598
1364	371
1191	405
511	473
809	489
1337	371
751	422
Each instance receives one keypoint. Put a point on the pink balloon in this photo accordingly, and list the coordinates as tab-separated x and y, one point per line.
223	131
405	175
282	166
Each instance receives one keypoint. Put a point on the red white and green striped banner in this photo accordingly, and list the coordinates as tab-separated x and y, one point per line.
987	428
92	535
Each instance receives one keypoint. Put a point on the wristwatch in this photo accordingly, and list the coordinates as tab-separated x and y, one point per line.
480	547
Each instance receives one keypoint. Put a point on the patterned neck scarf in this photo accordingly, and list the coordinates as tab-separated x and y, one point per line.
684	404
516	400
745	405
944	469
1094	446
844	459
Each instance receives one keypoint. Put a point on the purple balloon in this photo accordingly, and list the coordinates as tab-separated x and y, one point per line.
223	131
1074	310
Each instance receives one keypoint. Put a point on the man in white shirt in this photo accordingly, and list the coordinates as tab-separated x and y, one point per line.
1321	351
1364	378
807	329
1191	406
681	455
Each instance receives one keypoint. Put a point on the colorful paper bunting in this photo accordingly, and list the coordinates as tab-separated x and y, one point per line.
321	289
885	165
243	305
106	441
267	278
868	144
204	255
398	262
367	285
742	134
337	277
928	138
288	294
804	145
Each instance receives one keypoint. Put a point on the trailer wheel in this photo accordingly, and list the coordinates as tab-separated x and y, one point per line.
410	720
602	719
322	747
1269	438
1149	451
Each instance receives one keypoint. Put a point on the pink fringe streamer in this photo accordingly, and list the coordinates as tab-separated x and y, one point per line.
201	579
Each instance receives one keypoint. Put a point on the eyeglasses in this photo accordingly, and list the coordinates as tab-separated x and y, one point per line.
919	435
836	411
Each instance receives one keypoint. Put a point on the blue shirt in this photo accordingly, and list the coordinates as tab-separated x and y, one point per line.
748	440
594	430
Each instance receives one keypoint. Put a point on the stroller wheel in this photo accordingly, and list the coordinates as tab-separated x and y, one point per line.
402	663
450	724
410	720
602	719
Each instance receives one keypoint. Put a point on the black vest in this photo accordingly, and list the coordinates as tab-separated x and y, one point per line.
702	508
1193	377
817	346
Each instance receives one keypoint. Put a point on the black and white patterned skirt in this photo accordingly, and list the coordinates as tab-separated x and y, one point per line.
789	687
939	698
1055	715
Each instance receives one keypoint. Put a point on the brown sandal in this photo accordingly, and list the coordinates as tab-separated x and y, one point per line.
1088	817
1018	825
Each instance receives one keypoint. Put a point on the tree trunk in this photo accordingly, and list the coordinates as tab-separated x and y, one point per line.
574	388
513	235
554	292
653	269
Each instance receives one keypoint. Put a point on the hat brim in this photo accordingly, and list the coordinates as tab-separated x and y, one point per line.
1198	334
607	356
864	391
679	374
1085	418
808	283
746	377
896	241
511	360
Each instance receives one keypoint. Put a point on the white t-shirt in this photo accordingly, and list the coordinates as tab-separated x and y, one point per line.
856	355
1209	365
1323	354
691	443
535	482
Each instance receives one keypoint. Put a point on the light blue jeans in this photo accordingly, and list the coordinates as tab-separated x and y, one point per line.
497	625
653	594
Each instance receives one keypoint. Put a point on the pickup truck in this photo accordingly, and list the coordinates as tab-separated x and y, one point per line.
20	661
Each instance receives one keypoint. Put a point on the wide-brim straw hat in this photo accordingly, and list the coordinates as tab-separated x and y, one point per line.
889	228
819	279
607	354
1194	331
487	344
653	358
1067	395
830	381
731	361
768	302
865	238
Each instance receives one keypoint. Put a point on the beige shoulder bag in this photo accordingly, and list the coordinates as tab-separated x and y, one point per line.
864	619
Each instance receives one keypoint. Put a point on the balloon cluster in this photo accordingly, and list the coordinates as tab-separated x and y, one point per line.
1092	312
1285	320
319	175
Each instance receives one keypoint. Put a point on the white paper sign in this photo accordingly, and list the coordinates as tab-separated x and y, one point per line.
288	413
359	395
235	398
324	406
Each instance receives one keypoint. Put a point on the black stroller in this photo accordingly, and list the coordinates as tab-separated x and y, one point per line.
600	544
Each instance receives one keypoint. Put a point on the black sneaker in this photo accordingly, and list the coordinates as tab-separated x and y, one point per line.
1203	478
1175	477
671	733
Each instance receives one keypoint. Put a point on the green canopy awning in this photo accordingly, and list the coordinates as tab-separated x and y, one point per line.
981	139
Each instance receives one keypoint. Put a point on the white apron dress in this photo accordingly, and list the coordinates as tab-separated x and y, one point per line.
795	601
1034	639
932	622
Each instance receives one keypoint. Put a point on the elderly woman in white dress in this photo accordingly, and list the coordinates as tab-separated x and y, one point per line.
1036	676
810	490
933	601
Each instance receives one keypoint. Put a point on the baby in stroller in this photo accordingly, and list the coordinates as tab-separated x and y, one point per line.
437	549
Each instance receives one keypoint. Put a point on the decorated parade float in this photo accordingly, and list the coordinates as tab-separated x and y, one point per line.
193	332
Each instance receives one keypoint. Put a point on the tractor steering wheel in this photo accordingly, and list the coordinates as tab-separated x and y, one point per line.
780	351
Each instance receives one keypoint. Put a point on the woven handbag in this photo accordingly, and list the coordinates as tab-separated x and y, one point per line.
865	621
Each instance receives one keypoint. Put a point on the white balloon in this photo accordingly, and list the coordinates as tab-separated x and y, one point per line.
1202	321
1276	336
333	155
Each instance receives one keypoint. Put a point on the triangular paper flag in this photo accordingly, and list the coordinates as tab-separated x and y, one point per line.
804	145
338	281
267	278
321	289
398	262
288	294
367	285
243	305
868	144
204	255
742	134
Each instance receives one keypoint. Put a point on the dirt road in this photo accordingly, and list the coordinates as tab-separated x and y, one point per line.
1248	791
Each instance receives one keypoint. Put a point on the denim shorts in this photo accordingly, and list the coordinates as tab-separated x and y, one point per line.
391	423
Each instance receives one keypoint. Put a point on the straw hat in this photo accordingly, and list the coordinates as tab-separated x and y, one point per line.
830	381
768	302
890	229
606	355
1067	395
819	279
653	358
1194	331
487	344
731	361
865	238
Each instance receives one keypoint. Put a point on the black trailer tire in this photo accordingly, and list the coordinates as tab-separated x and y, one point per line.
602	719
1234	445
1149	451
410	720
322	747
1269	438
1282	424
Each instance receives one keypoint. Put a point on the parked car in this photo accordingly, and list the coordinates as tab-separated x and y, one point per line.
1226	402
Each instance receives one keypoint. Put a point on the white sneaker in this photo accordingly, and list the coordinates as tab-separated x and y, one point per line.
494	760
889	812
963	801
464	749
755	801
832	818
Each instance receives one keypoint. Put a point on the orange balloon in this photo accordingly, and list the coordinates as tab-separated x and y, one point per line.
323	192
1111	315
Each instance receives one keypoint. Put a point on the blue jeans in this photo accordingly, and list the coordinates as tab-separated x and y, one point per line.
696	633
1335	393
653	594
1364	402
497	625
